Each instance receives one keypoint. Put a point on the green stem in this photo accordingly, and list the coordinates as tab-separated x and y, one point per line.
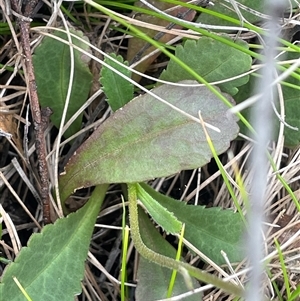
167	261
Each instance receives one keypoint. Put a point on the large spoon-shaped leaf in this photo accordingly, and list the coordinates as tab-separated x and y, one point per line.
147	139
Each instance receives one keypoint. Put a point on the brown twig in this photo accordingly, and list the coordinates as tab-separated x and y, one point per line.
38	119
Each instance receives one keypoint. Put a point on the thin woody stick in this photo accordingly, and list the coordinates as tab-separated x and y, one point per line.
39	117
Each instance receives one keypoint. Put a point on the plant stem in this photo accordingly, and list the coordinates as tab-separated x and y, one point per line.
167	261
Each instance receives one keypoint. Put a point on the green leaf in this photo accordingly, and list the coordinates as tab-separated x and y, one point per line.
52	64
118	90
208	229
147	139
153	280
244	93
291	97
160	214
229	11
295	294
211	59
52	265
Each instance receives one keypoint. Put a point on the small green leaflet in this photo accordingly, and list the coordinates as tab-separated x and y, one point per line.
160	214
117	89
